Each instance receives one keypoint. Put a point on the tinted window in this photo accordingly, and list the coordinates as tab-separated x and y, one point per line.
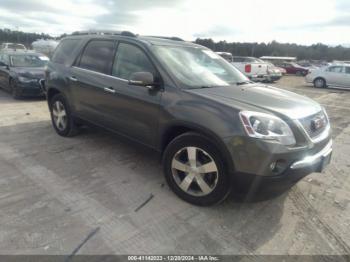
98	56
64	51
347	70
335	69
131	59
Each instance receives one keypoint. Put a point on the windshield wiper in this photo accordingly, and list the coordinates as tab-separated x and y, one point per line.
243	83
208	86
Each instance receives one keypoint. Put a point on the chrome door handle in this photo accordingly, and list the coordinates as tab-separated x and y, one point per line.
73	78
109	90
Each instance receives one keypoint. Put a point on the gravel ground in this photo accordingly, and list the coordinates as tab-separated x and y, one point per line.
54	191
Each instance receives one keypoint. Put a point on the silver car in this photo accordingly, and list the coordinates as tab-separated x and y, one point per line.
336	75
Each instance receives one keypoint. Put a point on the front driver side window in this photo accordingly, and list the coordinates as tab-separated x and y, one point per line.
131	59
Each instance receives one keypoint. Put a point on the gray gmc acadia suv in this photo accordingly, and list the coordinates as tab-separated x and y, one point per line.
211	124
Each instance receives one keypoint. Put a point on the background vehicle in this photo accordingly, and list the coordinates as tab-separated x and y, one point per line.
293	68
282	70
251	67
337	75
21	72
274	72
12	46
210	123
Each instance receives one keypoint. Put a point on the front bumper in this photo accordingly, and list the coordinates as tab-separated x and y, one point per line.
273	77
269	159
320	158
258	78
30	89
244	182
266	77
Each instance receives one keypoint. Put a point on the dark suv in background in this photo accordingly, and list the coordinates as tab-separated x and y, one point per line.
212	125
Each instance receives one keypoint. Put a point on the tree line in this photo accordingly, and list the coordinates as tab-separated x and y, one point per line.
12	36
314	52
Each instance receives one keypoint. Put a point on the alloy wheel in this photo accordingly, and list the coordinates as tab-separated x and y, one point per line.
194	171
59	115
319	83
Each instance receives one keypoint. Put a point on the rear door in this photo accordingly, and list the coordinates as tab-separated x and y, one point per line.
335	75
92	86
136	107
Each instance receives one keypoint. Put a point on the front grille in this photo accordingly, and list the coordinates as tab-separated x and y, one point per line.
308	124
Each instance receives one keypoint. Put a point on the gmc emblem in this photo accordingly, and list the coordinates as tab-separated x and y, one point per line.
318	123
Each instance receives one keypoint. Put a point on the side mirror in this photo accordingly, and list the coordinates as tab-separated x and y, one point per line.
142	79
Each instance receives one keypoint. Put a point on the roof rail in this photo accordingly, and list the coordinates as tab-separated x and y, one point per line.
175	38
104	32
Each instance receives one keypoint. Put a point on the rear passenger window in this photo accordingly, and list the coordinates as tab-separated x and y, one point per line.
347	70
131	59
98	56
335	69
64	52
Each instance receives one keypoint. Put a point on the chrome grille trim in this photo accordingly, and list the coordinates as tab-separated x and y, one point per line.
319	136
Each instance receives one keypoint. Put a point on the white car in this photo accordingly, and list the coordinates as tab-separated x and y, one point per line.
12	46
251	67
337	75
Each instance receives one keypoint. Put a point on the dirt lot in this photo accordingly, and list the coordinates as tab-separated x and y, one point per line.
54	191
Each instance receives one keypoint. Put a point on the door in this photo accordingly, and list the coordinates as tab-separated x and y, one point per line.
335	75
92	87
137	107
347	77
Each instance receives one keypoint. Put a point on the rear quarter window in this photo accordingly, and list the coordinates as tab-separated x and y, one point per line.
64	51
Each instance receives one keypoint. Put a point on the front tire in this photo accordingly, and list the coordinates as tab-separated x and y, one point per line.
320	83
195	171
61	117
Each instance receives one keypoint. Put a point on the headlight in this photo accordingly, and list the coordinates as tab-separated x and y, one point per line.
25	79
266	126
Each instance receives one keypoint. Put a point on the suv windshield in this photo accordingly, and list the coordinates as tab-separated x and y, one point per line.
197	67
28	61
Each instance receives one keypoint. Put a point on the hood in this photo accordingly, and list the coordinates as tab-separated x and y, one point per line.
275	100
30	72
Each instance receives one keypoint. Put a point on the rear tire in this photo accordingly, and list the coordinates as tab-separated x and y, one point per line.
61	117
195	171
320	83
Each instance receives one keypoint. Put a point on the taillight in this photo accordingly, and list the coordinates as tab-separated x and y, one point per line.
248	68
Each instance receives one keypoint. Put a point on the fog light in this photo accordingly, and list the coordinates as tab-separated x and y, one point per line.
278	166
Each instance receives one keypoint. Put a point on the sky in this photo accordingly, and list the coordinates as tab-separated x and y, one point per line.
296	21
